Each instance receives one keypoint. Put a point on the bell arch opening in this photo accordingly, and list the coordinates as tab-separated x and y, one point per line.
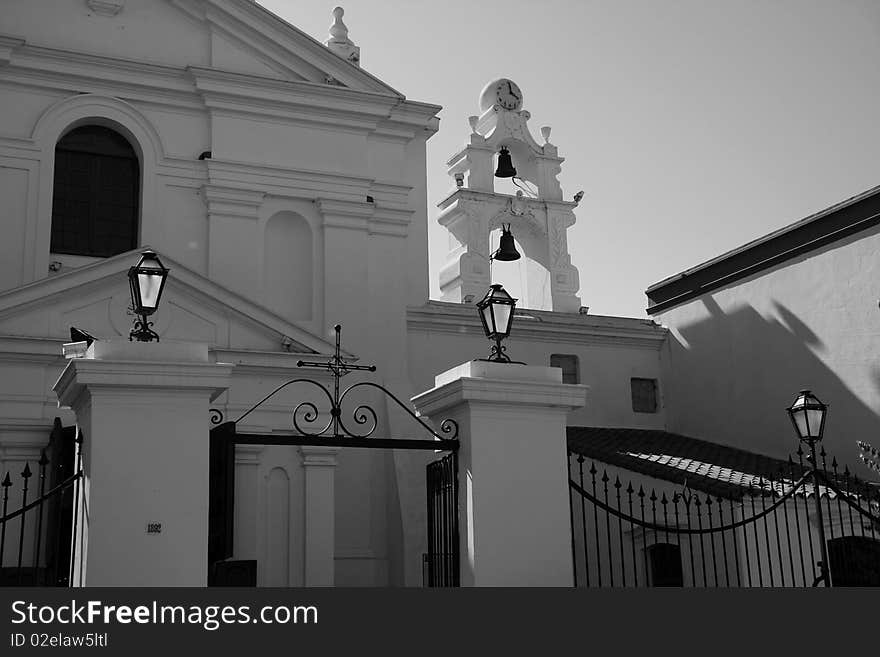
525	279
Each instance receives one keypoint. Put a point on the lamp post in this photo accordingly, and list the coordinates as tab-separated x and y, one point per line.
496	314
808	415
146	280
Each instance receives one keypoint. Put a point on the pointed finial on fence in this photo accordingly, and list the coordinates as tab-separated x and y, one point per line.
593	470
629	489
7	482
641	492
26	473
617	483
44	461
653	496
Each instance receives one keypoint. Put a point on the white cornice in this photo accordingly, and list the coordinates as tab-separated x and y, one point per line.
465	194
8	44
196	88
542	326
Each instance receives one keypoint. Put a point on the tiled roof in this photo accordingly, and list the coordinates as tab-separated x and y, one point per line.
709	467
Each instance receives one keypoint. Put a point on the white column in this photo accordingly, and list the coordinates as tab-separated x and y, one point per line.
320	517
514	521
143	410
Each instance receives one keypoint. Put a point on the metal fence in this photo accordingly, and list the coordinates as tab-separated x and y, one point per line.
771	533
35	539
441	563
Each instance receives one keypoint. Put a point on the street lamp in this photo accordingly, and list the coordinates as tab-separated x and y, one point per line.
807	415
146	280
496	314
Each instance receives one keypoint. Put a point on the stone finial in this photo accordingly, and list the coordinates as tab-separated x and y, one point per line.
338	41
472	121
545	133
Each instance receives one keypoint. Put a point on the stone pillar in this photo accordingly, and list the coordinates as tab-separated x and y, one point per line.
143	410
514	519
320	517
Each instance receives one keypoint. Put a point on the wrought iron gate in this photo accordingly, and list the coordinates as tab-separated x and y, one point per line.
311	428
35	539
441	566
772	534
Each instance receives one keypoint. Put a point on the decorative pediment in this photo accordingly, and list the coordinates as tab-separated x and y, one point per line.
243	27
95	298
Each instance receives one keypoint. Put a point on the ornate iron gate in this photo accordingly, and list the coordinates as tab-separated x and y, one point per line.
441	566
774	533
35	539
309	428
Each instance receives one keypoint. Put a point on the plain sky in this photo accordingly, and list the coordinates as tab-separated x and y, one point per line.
694	126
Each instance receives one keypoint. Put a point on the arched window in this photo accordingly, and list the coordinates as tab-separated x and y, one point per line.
95	195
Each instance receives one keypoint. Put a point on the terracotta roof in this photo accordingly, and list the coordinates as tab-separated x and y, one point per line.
712	468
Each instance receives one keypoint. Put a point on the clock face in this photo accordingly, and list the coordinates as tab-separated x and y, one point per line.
508	95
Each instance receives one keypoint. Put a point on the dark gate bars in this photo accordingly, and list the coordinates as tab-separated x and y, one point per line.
43	524
758	541
441	563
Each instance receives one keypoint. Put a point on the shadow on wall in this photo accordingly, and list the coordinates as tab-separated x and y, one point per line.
733	374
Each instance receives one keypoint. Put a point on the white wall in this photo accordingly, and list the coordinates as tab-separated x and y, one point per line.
738	356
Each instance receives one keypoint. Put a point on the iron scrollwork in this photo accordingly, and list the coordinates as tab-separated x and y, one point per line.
307	413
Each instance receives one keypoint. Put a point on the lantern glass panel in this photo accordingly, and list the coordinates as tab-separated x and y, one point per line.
502	317
488	319
149	285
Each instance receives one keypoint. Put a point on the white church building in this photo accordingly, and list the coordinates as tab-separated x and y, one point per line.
284	187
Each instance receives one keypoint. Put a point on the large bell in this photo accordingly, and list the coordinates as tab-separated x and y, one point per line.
506	248
505	165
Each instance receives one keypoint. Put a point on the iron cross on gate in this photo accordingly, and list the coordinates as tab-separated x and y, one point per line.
339	368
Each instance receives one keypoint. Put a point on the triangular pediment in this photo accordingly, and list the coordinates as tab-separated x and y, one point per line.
232	36
96	298
245	37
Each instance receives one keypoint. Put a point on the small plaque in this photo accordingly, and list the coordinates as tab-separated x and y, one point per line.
154	527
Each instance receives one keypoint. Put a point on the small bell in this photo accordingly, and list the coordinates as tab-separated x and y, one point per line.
505	165
506	247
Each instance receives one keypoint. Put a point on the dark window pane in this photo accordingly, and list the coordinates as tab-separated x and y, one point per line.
95	197
644	395
569	365
665	563
854	561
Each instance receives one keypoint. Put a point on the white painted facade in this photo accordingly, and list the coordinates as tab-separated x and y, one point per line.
737	356
311	210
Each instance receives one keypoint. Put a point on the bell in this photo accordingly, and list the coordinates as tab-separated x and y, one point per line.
505	165
506	247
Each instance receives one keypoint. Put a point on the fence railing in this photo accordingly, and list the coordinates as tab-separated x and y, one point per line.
440	566
630	534
35	538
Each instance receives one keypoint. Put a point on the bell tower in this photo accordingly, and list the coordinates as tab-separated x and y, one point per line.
501	146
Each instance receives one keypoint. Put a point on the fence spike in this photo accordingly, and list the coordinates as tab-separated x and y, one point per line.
7	482
641	492
617	483
653	496
604	479
593	470
26	473
629	488
663	499
697	501
44	461
708	500
581	458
